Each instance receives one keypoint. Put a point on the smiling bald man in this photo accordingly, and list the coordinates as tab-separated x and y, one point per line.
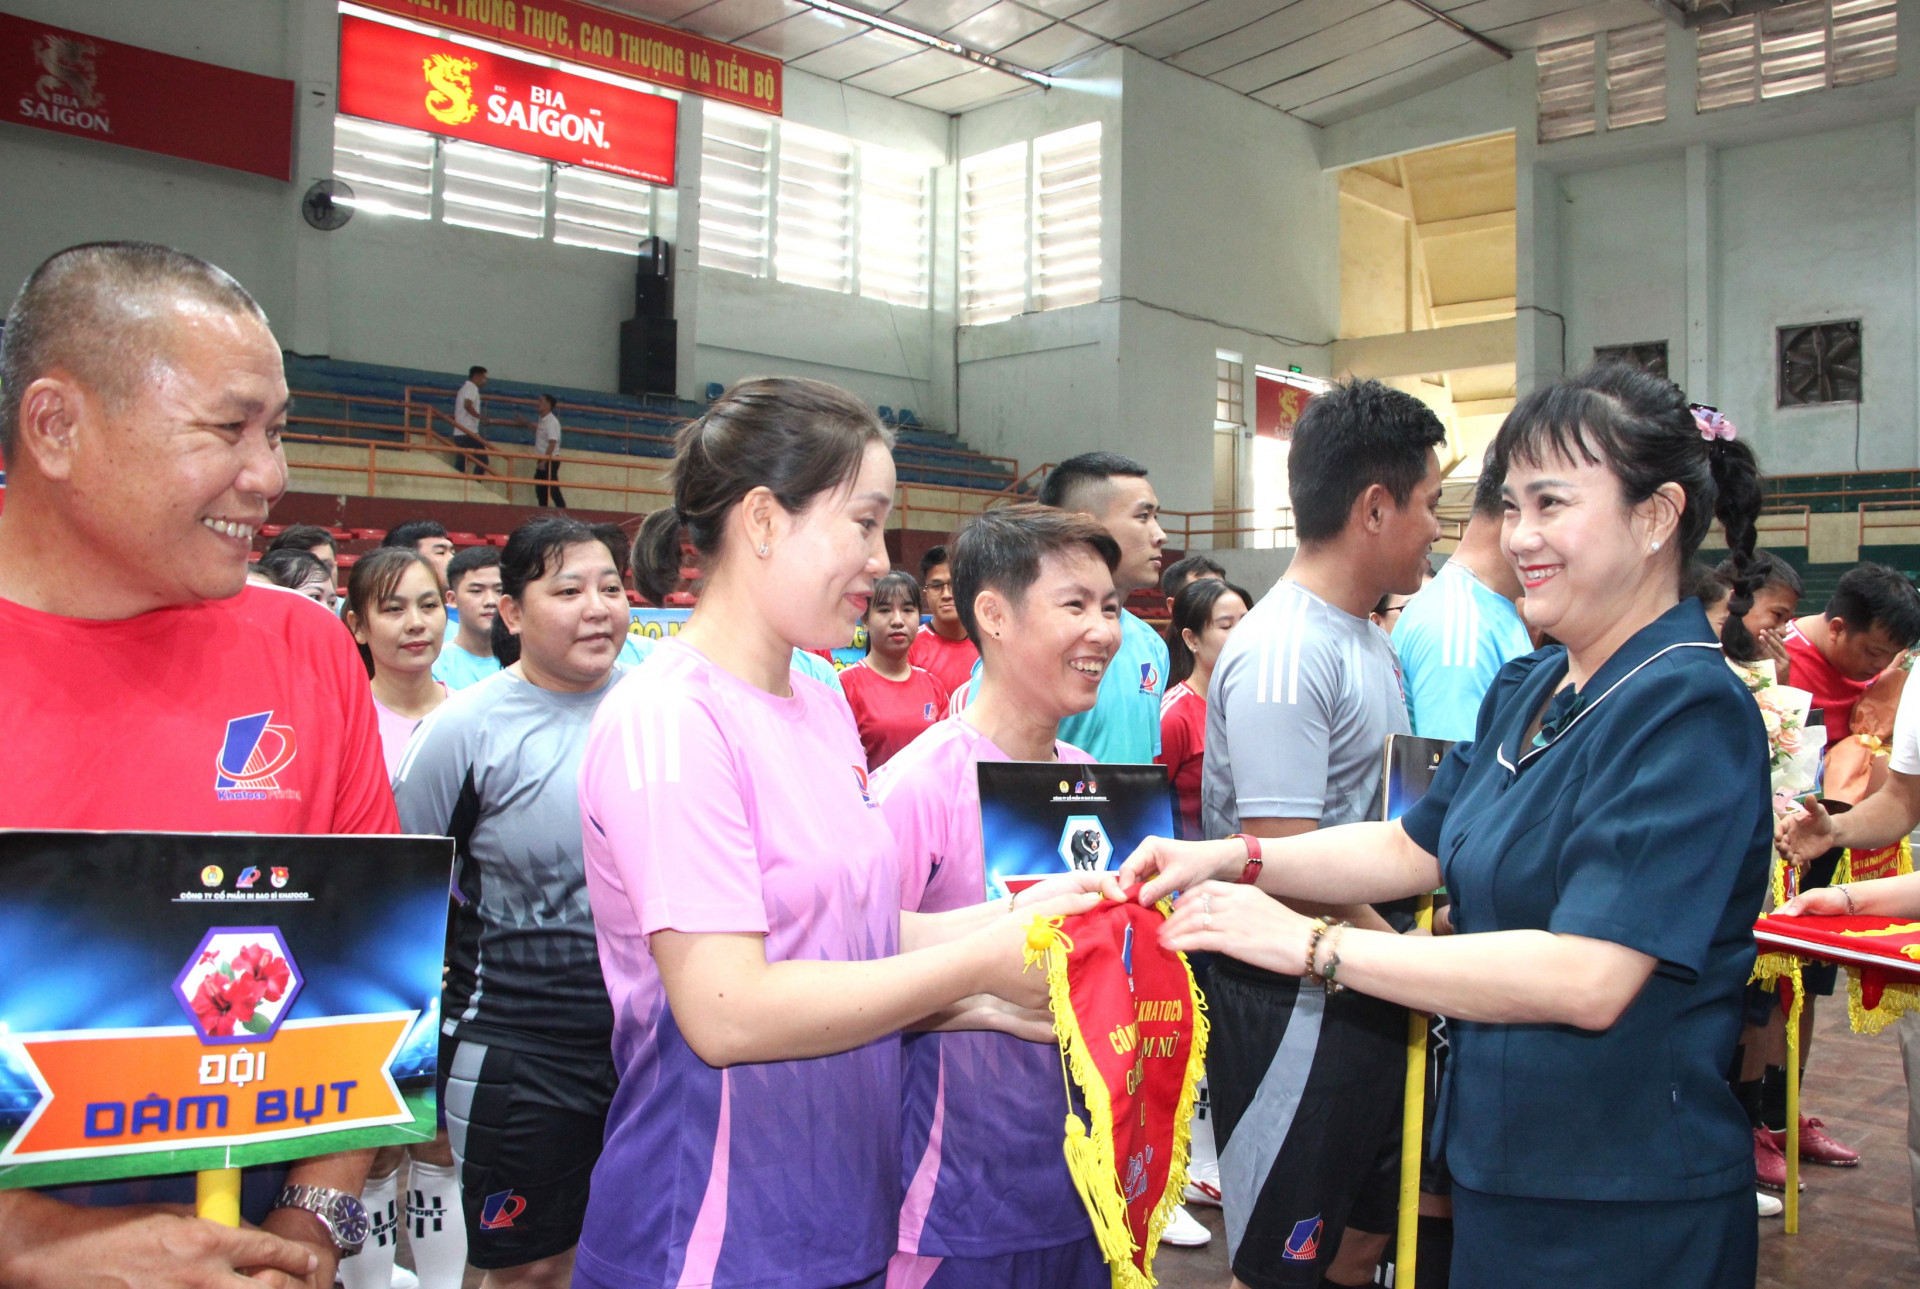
140	424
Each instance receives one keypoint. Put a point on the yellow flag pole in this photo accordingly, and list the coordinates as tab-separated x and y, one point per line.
217	1195
1792	1223
1413	1119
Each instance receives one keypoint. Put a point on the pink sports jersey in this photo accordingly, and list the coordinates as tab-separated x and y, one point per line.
981	1158
712	806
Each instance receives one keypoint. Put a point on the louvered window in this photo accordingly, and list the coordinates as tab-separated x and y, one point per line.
1637	75
592	209
1650	356
993	235
389	169
1566	85
1066	218
502	192
814	245
1865	41
735	171
893	228
1796	48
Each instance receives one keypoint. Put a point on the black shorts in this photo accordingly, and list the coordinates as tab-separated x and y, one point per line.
526	1128
1307	1093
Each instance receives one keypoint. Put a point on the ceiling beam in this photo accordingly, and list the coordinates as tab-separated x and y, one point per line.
1446	19
1388	198
1448	315
1497	221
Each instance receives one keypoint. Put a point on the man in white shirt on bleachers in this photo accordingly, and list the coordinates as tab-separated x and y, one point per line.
466	420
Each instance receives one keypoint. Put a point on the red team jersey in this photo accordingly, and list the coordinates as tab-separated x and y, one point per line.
950	661
1183	742
251	714
1832	692
892	713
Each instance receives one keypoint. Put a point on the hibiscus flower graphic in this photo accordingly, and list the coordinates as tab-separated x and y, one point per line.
220	1003
258	964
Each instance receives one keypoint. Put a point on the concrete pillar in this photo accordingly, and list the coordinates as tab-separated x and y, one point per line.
684	234
313	62
1703	274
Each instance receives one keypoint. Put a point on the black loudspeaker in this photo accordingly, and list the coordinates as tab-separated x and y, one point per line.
653	280
649	355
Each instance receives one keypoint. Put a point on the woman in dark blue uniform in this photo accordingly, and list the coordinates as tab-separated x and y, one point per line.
1604	838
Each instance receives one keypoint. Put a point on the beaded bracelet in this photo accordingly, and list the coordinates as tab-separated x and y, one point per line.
1317	929
1848	896
1333	960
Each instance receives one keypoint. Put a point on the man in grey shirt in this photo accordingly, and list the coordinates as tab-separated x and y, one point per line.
1306	1088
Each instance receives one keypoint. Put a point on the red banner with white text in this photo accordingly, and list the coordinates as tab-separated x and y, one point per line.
584	33
72	83
404	78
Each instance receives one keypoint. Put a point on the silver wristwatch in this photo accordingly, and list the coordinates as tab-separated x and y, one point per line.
344	1216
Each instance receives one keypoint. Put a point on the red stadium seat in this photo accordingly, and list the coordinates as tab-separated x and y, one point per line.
368	534
682	600
272	531
496	539
345	562
466	539
633	598
340	534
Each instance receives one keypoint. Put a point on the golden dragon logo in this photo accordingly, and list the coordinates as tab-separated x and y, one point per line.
68	68
450	88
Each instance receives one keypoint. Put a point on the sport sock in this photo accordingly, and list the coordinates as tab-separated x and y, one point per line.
372	1267
436	1225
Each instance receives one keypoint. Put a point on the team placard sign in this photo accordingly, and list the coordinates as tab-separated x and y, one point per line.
406	78
1039	818
174	1002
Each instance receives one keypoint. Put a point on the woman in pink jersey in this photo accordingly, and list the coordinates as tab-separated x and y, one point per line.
745	886
989	1202
1203	612
397	611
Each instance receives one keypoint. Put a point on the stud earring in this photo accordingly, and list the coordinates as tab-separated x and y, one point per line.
1655	546
763	550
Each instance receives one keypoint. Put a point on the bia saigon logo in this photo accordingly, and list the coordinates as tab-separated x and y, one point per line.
253	755
68	91
450	88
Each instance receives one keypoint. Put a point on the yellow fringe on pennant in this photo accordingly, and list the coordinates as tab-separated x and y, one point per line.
1090	1156
1843	871
1896	1000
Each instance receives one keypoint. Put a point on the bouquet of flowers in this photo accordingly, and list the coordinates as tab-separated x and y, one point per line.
1794	758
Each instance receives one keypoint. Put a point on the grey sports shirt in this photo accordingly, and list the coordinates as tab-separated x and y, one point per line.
1298	713
497	768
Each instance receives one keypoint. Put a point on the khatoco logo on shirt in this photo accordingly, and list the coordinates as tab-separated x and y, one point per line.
860	777
1149	678
498	1210
253	756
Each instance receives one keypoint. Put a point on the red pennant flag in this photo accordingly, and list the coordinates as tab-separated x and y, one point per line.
1133	1037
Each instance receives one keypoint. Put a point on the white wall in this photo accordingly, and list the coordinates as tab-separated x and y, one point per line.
63	190
1221	233
1709	231
432	295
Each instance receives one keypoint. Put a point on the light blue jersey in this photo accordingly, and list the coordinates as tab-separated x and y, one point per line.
457	669
1453	638
1123	726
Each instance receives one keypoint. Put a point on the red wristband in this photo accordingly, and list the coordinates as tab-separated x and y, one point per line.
1251	873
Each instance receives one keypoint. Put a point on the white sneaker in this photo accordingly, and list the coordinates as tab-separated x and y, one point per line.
1769	1206
404	1279
1184	1232
1203	1184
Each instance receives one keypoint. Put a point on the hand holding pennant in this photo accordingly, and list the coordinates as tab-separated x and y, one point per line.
1133	1037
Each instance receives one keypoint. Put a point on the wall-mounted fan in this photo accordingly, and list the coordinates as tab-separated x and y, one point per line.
328	205
1819	363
